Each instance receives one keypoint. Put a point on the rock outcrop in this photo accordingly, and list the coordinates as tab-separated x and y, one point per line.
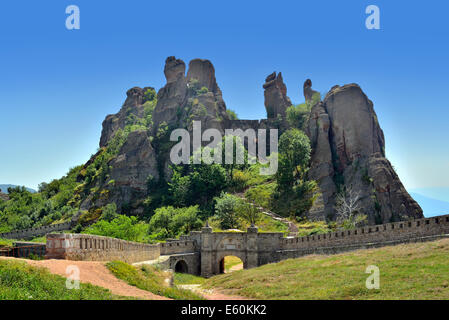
348	147
132	105
349	150
192	97
275	92
308	91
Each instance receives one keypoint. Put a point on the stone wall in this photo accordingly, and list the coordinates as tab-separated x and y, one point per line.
96	248
372	236
36	232
175	247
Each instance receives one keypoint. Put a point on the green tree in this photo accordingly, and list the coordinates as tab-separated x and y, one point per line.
109	212
122	227
249	212
294	157
171	222
226	210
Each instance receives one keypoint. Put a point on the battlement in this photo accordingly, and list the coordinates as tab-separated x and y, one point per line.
390	232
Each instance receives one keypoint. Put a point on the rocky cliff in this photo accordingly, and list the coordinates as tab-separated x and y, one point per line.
347	141
349	149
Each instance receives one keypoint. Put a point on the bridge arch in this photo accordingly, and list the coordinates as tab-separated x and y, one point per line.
181	266
221	261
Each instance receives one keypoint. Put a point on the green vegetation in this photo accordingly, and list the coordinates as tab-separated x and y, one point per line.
122	227
226	207
170	222
412	271
231	261
150	279
19	281
185	278
295	193
6	242
231	114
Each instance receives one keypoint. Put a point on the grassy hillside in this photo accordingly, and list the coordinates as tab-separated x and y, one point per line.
150	279
19	281
412	271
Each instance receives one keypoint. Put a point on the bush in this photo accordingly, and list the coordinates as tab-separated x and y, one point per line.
122	227
226	207
171	222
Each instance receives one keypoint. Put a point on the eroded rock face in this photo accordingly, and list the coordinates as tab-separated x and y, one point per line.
308	91
275	93
349	150
347	141
183	99
174	69
113	122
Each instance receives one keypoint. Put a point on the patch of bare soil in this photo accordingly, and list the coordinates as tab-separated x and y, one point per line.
96	273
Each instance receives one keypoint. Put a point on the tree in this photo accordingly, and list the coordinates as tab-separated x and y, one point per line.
122	227
109	212
294	157
171	222
347	207
249	212
226	210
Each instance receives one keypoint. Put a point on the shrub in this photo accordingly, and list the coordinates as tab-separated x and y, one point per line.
226	207
172	222
122	227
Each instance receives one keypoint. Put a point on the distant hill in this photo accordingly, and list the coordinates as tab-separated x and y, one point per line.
430	206
4	188
438	193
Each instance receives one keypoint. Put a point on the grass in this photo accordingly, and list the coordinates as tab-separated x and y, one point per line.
150	279
410	271
185	278
306	228
231	261
6	242
19	281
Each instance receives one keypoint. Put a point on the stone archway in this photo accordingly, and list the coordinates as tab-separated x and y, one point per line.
222	264
181	267
220	258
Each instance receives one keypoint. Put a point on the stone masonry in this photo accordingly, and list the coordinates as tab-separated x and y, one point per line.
202	252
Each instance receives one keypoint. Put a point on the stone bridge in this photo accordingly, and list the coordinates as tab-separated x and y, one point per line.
202	252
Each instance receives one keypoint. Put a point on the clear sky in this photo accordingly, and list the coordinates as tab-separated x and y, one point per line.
57	85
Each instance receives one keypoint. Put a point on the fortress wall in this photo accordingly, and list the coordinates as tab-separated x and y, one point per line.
36	232
97	248
175	247
397	232
267	245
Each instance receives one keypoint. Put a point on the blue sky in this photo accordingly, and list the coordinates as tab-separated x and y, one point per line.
56	85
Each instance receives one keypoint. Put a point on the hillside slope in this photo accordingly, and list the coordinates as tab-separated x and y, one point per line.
412	271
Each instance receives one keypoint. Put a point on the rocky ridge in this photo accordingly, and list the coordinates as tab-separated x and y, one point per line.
347	141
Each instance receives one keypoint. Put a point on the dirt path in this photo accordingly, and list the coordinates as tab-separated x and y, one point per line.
95	273
210	294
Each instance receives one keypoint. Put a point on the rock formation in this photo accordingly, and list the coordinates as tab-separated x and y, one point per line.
132	105
348	147
276	100
308	92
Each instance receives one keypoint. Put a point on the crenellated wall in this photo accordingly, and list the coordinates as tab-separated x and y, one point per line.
396	231
36	232
98	248
203	252
175	247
